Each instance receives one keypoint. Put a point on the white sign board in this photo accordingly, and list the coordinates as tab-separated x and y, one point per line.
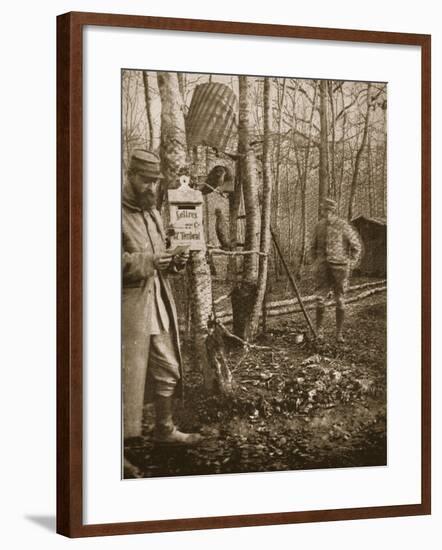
186	216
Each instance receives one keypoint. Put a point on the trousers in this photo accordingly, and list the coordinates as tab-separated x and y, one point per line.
331	277
143	381
163	370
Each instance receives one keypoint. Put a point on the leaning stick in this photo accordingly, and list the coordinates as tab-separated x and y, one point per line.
293	283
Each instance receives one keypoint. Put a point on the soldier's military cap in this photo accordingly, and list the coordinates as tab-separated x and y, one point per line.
146	163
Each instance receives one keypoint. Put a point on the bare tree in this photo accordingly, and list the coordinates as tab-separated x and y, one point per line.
174	162
265	237
243	295
148	100
281	98
134	128
304	176
330	90
355	178
323	147
173	132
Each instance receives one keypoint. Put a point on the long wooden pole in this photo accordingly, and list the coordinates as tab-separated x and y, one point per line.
293	283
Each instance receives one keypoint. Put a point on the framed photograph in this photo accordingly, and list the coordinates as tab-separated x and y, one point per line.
240	340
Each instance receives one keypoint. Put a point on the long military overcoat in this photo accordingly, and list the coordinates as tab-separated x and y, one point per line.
138	255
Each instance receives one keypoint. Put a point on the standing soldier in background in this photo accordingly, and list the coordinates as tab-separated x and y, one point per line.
151	350
337	250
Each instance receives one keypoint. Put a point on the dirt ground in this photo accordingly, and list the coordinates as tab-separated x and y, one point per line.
298	406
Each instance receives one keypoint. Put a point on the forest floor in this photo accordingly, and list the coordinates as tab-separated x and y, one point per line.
298	406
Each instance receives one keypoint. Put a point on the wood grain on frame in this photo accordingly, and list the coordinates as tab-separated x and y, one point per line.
70	272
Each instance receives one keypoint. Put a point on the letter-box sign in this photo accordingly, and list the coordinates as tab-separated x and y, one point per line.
186	216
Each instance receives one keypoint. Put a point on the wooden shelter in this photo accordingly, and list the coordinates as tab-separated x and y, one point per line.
373	232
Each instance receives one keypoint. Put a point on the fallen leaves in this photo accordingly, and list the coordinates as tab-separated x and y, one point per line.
295	407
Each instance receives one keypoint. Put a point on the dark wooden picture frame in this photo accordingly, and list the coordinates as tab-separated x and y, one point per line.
70	272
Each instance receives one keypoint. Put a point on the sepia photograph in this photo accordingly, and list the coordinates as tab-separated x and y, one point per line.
253	273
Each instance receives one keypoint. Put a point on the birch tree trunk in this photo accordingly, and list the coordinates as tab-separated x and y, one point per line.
200	283
148	100
174	162
243	295
173	150
234	206
265	237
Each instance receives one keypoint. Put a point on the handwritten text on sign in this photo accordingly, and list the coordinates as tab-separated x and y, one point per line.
187	222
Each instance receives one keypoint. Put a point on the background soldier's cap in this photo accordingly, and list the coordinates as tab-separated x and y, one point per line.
329	204
146	163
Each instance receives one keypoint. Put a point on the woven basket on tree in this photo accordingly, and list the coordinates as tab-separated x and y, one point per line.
212	117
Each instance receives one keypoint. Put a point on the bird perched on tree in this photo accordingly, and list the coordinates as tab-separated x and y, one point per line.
219	176
222	230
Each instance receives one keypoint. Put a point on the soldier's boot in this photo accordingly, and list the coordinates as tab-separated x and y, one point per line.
320	310
166	433
340	318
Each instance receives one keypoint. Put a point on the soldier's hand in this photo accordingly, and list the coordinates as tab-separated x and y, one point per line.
162	261
170	231
181	260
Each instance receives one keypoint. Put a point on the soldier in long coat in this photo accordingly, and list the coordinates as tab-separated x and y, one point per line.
151	349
